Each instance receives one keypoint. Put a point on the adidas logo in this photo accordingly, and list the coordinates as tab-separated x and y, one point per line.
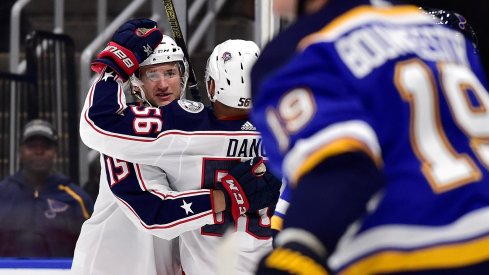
248	127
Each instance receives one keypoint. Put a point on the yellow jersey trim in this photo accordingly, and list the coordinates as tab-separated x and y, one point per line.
442	256
334	148
354	14
77	198
293	262
277	223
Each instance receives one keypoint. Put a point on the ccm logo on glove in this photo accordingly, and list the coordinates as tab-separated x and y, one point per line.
241	202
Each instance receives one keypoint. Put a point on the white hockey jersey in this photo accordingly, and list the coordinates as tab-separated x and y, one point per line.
111	242
195	150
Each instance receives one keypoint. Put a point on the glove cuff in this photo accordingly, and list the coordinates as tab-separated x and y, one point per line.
235	196
120	59
99	64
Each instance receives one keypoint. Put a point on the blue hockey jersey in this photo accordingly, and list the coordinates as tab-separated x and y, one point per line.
387	81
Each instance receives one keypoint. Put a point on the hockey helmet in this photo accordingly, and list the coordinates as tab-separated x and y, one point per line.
229	66
167	51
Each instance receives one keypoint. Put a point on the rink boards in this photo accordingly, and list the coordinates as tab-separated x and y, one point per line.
16	266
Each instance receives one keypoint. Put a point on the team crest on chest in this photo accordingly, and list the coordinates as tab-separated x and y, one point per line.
190	106
55	207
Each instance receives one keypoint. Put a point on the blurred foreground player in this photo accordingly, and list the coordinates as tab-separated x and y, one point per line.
378	119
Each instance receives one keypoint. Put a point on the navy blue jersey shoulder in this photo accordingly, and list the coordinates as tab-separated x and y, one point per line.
108	113
178	118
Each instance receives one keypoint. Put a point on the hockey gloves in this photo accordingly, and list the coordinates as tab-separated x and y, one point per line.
131	44
292	258
249	187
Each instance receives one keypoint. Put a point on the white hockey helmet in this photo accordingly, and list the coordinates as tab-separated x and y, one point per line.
229	66
167	51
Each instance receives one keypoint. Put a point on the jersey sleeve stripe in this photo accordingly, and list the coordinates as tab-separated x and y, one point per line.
171	195
334	140
77	197
282	206
395	246
361	16
439	257
162	209
167	225
277	222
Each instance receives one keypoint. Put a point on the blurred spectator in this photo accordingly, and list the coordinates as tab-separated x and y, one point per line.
41	211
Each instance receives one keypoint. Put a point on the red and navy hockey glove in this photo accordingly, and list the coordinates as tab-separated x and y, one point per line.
249	187
131	44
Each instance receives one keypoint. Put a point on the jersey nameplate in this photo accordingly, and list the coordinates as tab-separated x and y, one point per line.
191	106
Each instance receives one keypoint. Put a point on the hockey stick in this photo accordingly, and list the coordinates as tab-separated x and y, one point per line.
177	35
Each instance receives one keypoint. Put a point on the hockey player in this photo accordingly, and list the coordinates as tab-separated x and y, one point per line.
199	149
163	76
376	116
113	235
449	18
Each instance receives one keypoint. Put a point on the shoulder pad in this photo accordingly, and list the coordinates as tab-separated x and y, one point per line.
191	106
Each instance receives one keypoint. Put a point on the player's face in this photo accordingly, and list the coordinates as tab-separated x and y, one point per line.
288	8
285	8
161	83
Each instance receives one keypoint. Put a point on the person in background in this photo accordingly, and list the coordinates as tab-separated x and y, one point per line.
41	210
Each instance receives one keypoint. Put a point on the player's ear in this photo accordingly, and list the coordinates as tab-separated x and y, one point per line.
211	86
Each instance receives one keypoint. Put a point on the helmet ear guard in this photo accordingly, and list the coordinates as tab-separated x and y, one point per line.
229	66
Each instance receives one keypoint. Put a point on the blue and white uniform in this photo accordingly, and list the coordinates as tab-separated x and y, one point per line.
195	150
387	82
281	208
111	238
